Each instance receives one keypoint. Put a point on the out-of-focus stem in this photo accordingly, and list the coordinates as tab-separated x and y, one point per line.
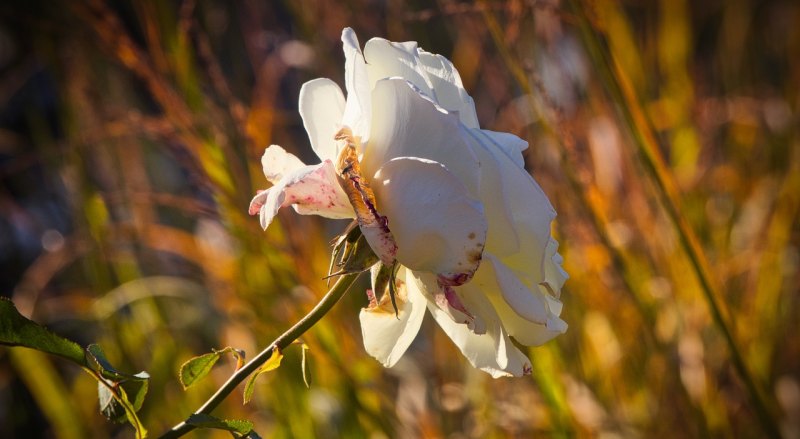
284	340
622	91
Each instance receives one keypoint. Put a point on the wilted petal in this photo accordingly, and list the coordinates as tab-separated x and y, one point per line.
529	315
386	335
386	59
321	107
446	81
277	163
313	190
492	352
437	225
358	108
411	125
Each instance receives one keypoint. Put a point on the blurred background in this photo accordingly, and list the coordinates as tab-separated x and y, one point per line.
665	133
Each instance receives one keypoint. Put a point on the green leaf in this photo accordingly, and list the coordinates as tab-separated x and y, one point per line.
16	330
197	368
239	427
114	388
273	363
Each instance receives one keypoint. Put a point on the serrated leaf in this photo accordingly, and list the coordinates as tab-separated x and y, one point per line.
240	427
16	330
303	366
273	363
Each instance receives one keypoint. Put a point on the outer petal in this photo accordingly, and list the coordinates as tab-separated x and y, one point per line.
449	89
531	215
386	336
437	225
386	59
509	144
554	275
358	109
321	107
411	125
313	190
276	163
529	315
492	351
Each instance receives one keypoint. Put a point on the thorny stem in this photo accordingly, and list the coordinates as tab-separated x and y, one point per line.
621	90
284	340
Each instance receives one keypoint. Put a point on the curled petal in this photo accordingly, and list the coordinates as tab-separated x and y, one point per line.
492	351
321	107
386	59
531	316
386	336
358	109
276	163
410	124
313	190
450	93
437	225
554	274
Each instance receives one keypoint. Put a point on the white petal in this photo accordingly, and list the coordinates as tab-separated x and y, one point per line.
450	92
408	124
386	336
437	225
313	190
508	143
357	110
531	316
492	352
321	107
531	215
501	237
554	274
530	305
386	59
276	163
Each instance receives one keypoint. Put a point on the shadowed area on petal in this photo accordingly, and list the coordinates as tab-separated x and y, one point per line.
450	93
386	335
529	315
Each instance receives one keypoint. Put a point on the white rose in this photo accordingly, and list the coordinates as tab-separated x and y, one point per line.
450	202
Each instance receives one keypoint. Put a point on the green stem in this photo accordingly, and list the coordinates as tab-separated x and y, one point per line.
622	91
284	340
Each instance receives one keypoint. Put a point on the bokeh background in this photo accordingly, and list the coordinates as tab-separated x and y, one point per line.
666	133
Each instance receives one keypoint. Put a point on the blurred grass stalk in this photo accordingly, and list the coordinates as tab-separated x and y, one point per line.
621	92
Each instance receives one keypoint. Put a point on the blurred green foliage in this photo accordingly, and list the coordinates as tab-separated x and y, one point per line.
130	138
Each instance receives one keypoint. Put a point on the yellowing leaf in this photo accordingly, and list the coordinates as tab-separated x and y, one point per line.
273	363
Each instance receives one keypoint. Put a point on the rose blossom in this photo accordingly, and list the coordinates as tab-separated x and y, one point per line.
432	191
